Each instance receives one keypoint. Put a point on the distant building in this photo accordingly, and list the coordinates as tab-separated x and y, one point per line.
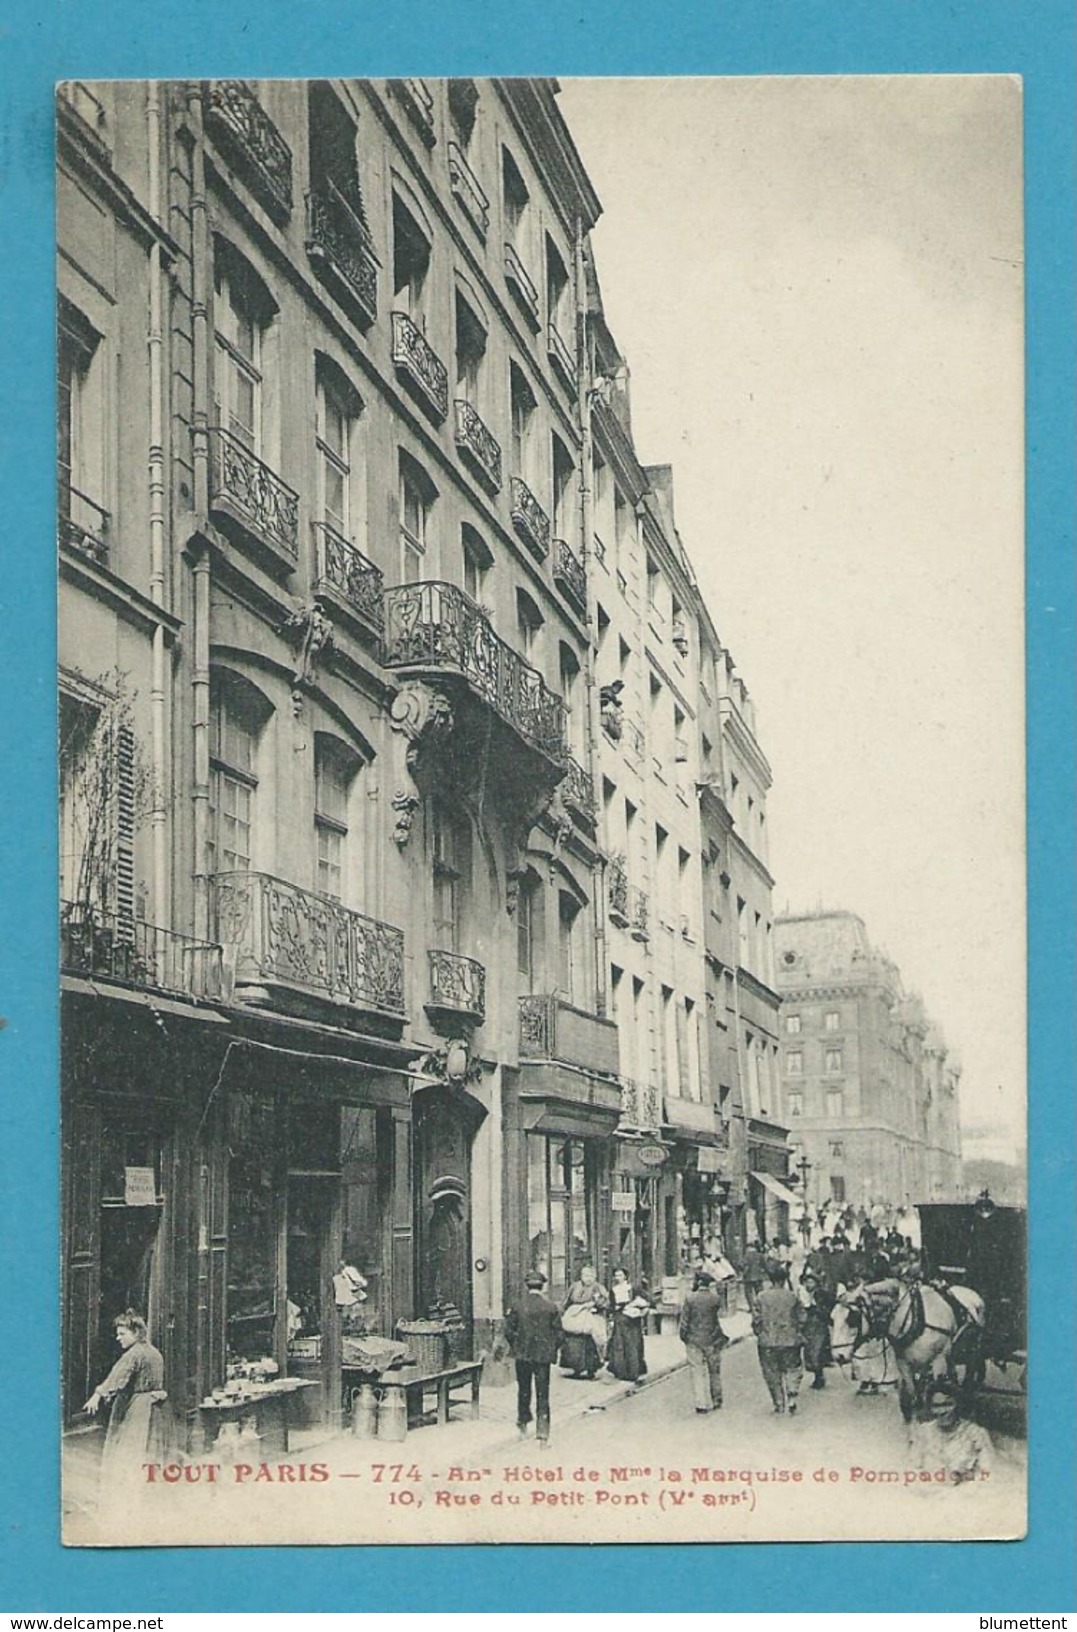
869	1089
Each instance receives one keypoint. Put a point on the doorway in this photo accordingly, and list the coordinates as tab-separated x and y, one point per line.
311	1253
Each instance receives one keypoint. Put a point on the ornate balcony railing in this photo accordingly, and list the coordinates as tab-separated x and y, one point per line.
437	626
104	945
530	520
84	526
560	355
478	444
418	103
520	282
246	491
617	888
465	188
340	246
457	985
538	1027
578	791
342	571
638	914
641	1105
277	934
568	574
420	367
248	137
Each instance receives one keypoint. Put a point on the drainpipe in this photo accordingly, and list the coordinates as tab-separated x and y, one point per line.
200	457
584	397
156	473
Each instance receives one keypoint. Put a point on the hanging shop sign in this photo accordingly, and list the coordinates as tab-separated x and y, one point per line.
709	1160
139	1187
651	1155
623	1201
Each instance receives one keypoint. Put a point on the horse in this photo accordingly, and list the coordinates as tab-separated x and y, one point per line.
930	1331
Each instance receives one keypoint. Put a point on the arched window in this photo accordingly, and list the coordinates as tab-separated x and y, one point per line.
527	930
569	972
244	382
341	505
571	693
451	863
529	621
478	562
238	716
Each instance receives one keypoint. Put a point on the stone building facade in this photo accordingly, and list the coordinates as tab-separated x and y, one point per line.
869	1091
360	963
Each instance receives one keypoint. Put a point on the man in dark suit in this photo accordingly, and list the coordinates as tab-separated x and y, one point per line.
533	1333
700	1330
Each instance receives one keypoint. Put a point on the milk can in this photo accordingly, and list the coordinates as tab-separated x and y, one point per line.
365	1412
393	1414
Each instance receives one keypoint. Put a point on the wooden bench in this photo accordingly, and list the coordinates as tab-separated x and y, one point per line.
415	1385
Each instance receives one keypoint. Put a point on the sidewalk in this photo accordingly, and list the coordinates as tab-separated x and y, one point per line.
495	1430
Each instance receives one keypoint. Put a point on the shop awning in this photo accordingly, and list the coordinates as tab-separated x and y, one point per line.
691	1118
777	1188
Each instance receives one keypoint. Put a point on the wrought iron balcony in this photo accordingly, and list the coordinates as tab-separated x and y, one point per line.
341	250
465	188
520	282
641	1105
560	355
478	445
84	526
435	626
578	791
249	139
530	520
419	366
638	914
617	891
457	987
568	574
113	946
276	935
246	494
343	573
415	97
551	1029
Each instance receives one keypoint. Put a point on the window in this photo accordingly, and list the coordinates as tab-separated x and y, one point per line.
417	495
335	768
525	931
622	529
837	1187
668	1042
331	134
794	1102
569	666
522	403
562	1207
835	1102
337	413
237	717
463	95
743	950
411	262
470	353
833	1020
564	490
794	1065
529	622
653	578
833	1059
79	421
477	562
451	865
242	315
836	1147
516	199
792	1024
556	289
568	912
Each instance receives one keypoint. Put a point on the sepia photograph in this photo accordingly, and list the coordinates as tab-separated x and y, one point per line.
542	810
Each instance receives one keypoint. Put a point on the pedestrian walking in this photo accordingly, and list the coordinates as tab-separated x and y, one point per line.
817	1304
777	1326
533	1334
629	1305
700	1330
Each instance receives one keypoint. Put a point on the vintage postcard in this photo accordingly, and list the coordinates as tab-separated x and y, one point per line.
542	830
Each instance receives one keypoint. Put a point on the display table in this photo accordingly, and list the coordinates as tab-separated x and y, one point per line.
267	1403
415	1385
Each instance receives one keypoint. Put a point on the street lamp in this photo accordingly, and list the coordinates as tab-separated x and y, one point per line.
804	1167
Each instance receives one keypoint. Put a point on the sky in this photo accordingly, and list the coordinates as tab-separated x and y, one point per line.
817	286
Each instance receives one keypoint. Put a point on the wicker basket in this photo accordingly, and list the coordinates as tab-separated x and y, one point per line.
458	1342
426	1341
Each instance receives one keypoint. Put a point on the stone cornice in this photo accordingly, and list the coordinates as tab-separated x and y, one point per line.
737	730
747	854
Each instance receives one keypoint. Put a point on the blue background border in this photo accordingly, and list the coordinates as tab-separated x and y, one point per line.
50	40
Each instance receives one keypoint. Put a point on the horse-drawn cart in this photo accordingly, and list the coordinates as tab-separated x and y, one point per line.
983	1246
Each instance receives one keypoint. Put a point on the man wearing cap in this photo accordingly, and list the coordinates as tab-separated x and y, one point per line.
700	1330
533	1333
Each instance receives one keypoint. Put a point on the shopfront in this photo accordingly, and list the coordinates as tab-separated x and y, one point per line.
644	1210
